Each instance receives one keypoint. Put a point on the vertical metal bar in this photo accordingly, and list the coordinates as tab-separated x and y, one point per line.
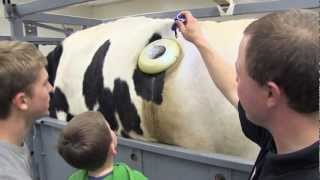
41	153
16	26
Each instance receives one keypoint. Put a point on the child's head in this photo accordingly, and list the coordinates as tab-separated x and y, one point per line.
87	141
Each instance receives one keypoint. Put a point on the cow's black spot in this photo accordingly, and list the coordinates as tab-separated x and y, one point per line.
93	77
125	134
107	108
154	37
59	103
53	62
149	87
69	116
127	111
93	88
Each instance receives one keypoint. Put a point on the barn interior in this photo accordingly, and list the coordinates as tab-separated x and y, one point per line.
47	22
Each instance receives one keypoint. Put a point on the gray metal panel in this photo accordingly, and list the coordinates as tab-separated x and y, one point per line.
157	161
177	152
132	157
174	151
29	141
197	12
42	40
45	5
4	38
61	30
158	166
259	6
51	165
237	175
16	26
60	19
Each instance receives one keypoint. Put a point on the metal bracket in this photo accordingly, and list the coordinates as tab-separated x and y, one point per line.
30	29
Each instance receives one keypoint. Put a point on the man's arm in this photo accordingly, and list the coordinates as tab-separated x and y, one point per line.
223	75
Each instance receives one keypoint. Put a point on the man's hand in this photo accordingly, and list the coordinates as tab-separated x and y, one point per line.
191	29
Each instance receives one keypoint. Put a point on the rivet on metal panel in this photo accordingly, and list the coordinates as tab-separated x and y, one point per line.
133	157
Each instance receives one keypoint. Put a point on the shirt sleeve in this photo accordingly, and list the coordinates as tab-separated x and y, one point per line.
255	133
13	175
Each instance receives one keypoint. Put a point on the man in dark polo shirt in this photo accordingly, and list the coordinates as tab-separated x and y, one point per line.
275	88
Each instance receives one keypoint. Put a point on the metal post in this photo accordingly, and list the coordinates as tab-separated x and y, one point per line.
45	5
16	26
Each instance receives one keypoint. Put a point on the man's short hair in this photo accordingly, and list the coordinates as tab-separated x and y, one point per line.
20	65
283	47
85	142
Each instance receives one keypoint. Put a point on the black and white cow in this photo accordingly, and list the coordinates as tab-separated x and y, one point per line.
96	69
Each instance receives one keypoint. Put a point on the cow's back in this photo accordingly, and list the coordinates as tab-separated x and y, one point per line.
187	110
194	113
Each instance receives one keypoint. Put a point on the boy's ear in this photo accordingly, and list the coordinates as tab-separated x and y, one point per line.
113	149
114	142
20	101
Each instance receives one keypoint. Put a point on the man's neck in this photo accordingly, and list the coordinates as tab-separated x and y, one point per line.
294	131
13	130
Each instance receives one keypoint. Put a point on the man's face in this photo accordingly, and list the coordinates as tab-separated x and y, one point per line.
250	93
40	98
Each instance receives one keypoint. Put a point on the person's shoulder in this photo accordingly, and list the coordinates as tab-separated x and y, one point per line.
308	175
11	174
136	175
78	175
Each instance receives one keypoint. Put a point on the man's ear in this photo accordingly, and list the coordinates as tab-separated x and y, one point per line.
20	100
274	94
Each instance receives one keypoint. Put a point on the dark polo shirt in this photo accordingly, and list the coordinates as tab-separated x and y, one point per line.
299	165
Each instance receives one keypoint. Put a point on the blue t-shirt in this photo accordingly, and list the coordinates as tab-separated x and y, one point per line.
100	177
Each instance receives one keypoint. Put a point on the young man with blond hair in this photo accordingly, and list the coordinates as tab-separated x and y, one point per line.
24	97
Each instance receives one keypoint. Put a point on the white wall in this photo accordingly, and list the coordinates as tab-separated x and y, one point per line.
4	25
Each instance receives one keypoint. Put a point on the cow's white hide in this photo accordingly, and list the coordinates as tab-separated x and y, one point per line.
193	114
